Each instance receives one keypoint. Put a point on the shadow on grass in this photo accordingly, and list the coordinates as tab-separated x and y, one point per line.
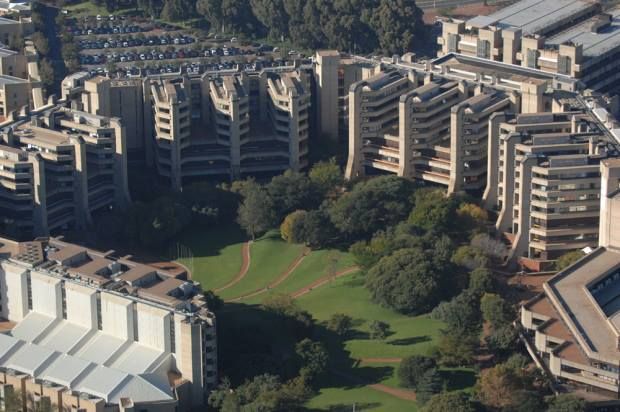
205	241
459	379
410	341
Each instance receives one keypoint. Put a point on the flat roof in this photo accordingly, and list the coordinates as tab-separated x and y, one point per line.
570	287
531	16
593	43
49	355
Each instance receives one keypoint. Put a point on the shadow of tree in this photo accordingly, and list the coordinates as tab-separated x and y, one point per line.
459	379
410	341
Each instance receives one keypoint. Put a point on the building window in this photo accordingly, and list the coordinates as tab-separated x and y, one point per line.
99	321
172	335
29	289
63	293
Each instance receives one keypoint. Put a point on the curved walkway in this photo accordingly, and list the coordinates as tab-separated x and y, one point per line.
322	281
245	266
291	268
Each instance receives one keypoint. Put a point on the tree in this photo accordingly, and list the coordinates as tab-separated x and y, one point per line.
406	281
214	302
472	217
449	402
481	280
372	205
412	369
46	72
379	329
326	176
291	191
40	43
340	323
433	210
506	385
493	248
568	259
502	340
430	383
318	230
566	403
314	359
292	228
398	25
456	349
255	214
461	314
496	310
470	257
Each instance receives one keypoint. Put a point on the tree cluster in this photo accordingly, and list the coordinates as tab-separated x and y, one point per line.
363	26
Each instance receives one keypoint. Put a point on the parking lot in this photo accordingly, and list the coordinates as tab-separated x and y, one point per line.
135	46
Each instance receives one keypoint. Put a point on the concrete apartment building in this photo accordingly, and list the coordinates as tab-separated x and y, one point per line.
59	168
334	74
218	125
230	126
572	327
12	31
15	94
573	38
97	332
544	181
433	121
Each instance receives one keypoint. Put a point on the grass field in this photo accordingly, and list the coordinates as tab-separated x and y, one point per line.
365	399
270	257
217	254
409	335
217	259
317	264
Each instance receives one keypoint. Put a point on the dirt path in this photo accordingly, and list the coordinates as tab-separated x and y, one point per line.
404	394
291	268
322	281
245	266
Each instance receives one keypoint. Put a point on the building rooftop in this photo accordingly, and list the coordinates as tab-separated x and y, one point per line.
531	16
582	305
595	43
6	79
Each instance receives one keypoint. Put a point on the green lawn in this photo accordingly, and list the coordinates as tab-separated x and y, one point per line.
317	264
365	399
410	335
217	253
88	8
270	257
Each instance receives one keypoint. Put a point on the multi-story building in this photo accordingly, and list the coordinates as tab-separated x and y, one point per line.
334	74
544	181
423	126
373	123
12	32
572	38
98	332
65	166
15	94
13	64
572	328
230	125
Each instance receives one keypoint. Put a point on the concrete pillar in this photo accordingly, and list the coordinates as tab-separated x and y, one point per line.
490	192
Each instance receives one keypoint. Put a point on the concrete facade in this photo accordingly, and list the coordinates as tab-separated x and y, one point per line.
98	332
60	167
